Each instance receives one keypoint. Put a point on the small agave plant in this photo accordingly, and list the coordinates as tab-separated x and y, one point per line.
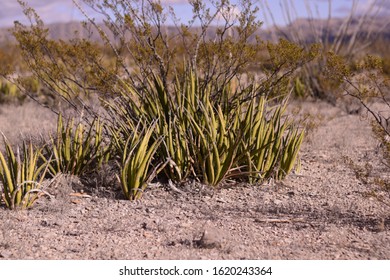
76	148
21	175
135	168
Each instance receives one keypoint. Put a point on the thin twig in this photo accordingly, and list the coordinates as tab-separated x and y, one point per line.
293	220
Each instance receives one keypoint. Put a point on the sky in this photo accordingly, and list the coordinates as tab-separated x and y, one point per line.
65	10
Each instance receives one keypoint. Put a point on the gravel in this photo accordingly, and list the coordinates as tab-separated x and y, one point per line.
322	212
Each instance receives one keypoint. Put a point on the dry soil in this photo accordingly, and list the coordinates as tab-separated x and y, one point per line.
322	212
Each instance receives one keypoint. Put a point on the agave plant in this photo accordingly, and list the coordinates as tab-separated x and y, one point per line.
21	175
270	143
135	167
215	146
140	109
209	133
76	149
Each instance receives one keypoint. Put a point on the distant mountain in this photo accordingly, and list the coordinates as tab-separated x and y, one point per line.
64	31
306	30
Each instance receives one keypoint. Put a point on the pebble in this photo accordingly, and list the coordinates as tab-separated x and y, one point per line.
4	254
211	238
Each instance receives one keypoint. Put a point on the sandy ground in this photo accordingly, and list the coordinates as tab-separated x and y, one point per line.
323	212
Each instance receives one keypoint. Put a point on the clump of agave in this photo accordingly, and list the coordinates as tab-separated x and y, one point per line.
21	175
204	137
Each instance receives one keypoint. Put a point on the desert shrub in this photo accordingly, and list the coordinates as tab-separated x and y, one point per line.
21	175
380	48
16	89
217	43
138	46
351	38
369	85
8	91
16	81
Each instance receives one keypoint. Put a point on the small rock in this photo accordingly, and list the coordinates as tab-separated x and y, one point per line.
147	234
380	226
4	254
211	238
161	228
290	193
278	201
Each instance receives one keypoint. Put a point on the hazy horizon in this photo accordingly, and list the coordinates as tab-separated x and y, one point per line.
62	11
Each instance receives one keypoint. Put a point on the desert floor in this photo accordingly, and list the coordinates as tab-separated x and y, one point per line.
322	212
